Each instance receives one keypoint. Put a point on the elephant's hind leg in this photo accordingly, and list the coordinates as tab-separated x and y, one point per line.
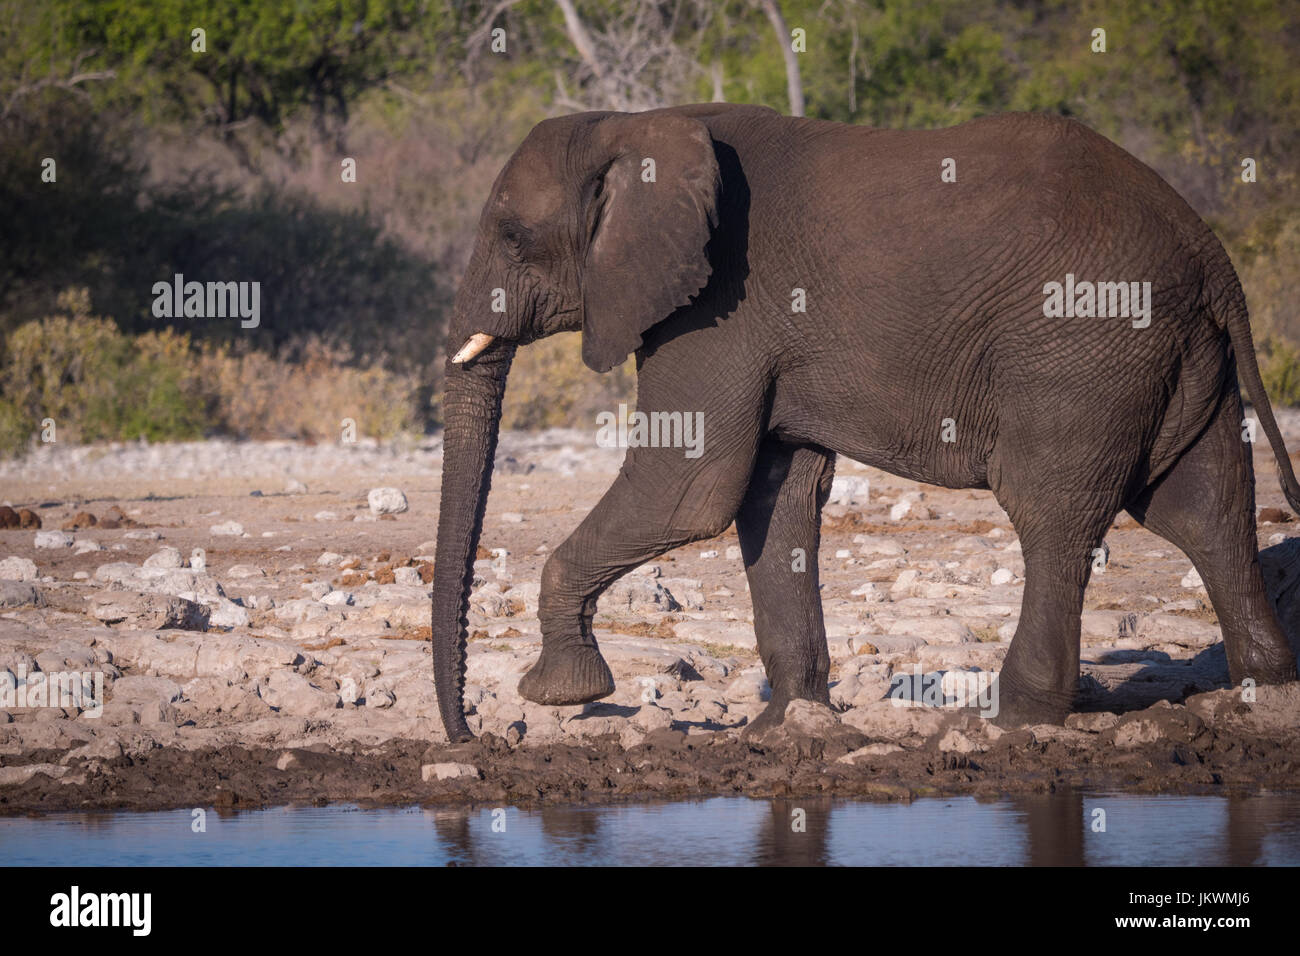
1205	505
779	526
1060	507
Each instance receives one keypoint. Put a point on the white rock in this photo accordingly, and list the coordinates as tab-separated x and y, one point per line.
409	577
245	571
733	553
17	569
1192	579
448	771
165	558
750	686
386	501
330	558
707	555
903	584
54	539
849	490
870	592
225	613
87	545
231	529
1001	576
870	544
294	695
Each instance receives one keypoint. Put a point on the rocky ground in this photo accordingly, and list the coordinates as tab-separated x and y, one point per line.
258	614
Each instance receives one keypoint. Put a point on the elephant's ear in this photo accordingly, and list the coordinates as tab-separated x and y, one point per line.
654	198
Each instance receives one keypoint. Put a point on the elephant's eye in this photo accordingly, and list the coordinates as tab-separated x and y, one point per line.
514	235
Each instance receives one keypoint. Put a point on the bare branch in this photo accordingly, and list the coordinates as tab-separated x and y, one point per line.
794	85
70	83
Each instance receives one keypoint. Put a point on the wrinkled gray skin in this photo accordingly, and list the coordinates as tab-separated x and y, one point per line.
924	303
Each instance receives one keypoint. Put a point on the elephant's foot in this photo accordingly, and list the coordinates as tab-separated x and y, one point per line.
574	675
1020	706
773	715
1264	667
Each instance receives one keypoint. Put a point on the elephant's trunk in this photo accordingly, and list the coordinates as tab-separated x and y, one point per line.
472	413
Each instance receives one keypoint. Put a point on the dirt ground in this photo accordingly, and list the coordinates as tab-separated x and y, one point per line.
259	627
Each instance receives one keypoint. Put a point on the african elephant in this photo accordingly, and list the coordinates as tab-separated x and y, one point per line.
1013	304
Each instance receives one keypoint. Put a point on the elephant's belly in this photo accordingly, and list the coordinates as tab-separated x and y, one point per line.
900	451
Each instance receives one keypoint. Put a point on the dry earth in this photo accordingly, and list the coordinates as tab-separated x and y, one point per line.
262	636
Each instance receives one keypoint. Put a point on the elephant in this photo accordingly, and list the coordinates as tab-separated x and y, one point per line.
946	305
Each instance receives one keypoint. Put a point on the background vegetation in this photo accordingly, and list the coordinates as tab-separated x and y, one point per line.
225	164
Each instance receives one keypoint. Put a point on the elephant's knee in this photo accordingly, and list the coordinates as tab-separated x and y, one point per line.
560	586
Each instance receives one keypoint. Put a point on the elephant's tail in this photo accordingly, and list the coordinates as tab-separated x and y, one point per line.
1237	321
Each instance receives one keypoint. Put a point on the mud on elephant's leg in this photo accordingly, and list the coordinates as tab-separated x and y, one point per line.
1205	506
779	526
661	500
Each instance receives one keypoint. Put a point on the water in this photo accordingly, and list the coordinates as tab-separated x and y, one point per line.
725	831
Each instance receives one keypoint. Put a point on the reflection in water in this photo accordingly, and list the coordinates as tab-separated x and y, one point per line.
794	833
1060	829
1054	825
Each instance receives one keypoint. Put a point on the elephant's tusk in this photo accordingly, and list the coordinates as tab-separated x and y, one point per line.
475	344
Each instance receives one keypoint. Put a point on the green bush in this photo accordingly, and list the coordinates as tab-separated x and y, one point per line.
99	384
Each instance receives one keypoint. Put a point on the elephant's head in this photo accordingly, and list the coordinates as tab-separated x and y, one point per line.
599	222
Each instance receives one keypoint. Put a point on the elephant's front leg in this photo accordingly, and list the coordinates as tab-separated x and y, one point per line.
663	498
779	526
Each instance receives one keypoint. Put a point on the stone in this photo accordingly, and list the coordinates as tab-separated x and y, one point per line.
849	490
1002	576
20	594
293	694
408	577
147	689
166	558
954	741
880	749
231	529
53	539
14	776
152	611
810	718
225	613
244	571
869	545
903	584
386	501
449	771
15	568
751	686
1093	723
